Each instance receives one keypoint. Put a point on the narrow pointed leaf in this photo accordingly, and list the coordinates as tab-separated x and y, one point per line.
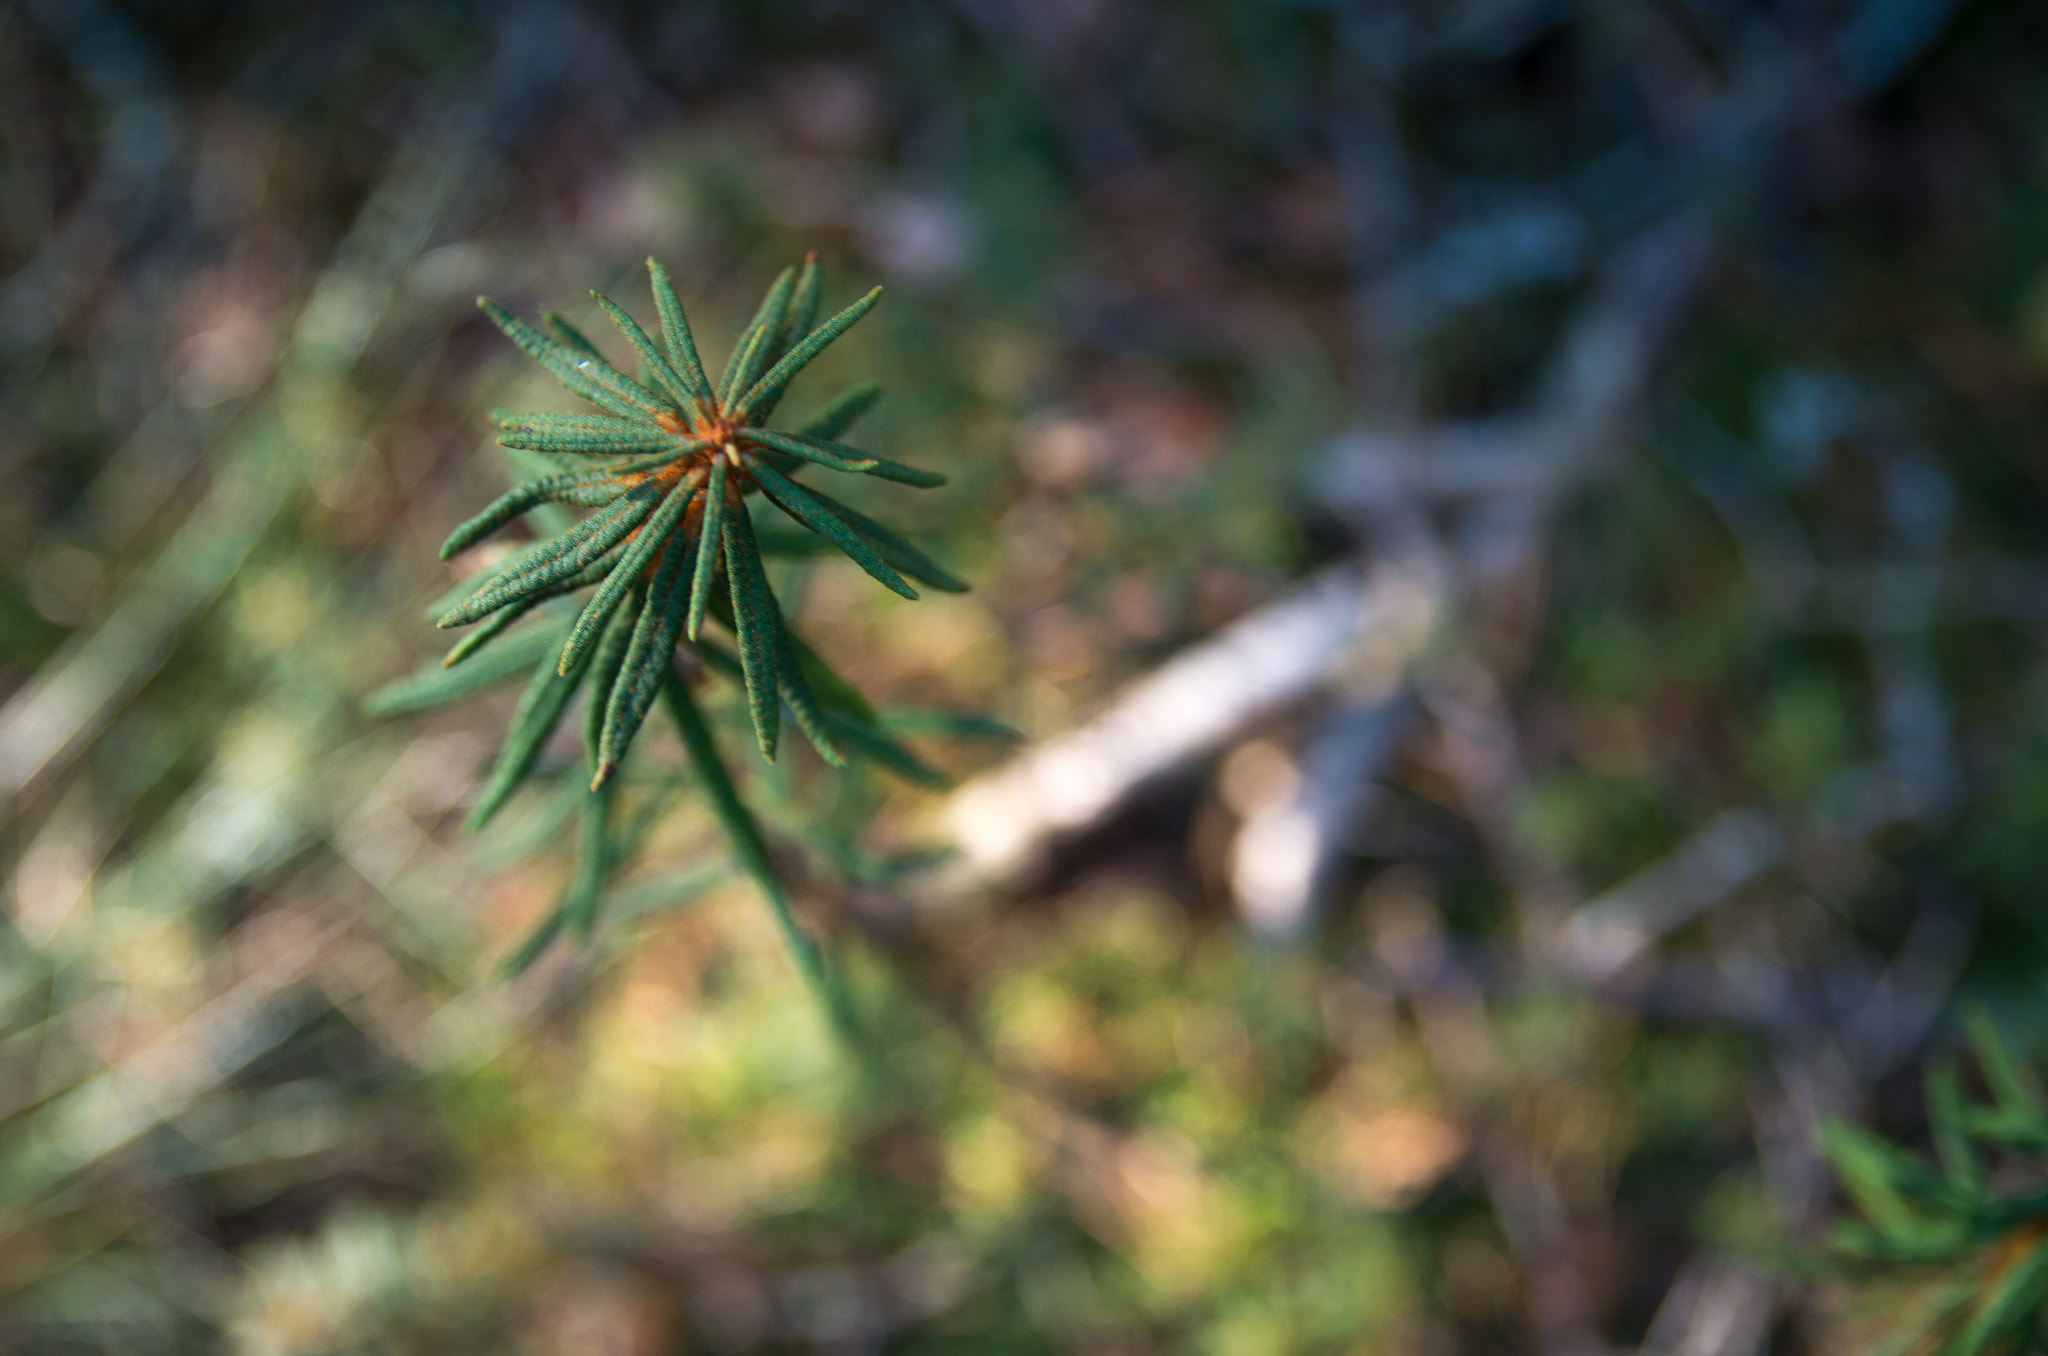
626	573
837	417
606	663
658	368
755	622
593	862
770	385
789	541
515	578
651	655
803	703
1944	1101
829	454
2011	1083
435	686
709	541
590	377
570	336
512	612
891	547
840	457
675	332
536	944
835	691
669	892
519	499
797	670
797	320
744	837
803	304
572	552
948	725
517	422
540	710
873	744
791	498
580	444
750	354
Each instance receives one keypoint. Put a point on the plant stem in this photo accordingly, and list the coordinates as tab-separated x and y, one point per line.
745	837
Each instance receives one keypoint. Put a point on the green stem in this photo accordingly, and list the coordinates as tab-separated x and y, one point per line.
747	844
578	905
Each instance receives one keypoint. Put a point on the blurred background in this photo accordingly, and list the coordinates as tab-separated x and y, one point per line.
1512	532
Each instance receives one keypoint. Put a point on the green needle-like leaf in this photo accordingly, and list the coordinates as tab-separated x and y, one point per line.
2011	1084
803	304
751	354
571	337
571	487
837	693
840	457
513	421
605	665
710	539
573	551
512	612
840	415
593	861
872	743
626	572
791	499
949	725
578	904
592	378
438	685
766	390
540	710
832	455
803	704
893	548
755	621
658	367
651	655
648	439
675	332
744	836
1944	1101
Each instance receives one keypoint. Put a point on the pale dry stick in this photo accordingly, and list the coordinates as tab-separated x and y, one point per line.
1713	1308
1613	931
1353	626
1280	861
1346	620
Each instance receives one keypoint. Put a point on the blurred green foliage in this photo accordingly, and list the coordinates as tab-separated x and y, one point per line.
261	1087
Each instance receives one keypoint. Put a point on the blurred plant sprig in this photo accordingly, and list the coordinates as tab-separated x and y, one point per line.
669	467
1979	1239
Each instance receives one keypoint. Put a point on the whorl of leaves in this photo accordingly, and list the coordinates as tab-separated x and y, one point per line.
669	462
669	466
